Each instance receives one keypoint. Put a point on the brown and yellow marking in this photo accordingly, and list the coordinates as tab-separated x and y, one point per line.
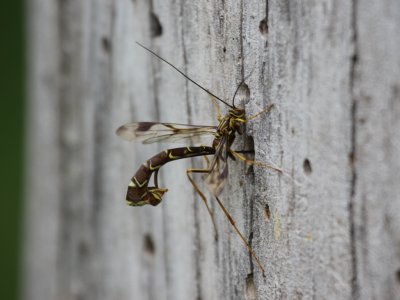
138	184
152	168
140	203
132	184
171	156
157	195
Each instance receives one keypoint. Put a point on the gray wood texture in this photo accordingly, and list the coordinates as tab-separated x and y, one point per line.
328	228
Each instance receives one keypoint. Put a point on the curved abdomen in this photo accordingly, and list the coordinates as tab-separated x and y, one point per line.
139	193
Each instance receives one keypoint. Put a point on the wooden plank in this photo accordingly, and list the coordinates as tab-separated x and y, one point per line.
376	199
305	70
314	227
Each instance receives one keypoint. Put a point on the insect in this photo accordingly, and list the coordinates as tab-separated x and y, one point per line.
139	193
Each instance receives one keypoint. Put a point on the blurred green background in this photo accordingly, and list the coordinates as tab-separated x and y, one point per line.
12	77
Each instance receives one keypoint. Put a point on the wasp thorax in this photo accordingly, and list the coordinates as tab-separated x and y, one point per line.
236	119
236	112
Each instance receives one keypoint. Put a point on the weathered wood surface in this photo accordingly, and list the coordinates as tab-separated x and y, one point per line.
328	229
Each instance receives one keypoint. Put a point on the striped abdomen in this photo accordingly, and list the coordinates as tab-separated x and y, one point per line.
139	193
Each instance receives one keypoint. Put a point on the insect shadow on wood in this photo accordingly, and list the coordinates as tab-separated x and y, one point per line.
215	174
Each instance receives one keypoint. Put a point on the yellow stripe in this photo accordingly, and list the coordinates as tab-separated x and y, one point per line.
171	156
132	184
157	196
154	168
140	203
140	185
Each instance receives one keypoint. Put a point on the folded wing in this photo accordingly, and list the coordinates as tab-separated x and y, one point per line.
151	132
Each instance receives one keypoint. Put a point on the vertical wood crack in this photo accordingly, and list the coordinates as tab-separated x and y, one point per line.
157	109
198	247
353	154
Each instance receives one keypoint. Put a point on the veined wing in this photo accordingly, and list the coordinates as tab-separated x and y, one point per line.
151	132
217	178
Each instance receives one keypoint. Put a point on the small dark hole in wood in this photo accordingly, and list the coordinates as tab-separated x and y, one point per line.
264	27
155	25
307	166
224	49
149	246
398	275
83	249
250	173
250	292
354	59
267	213
106	44
352	158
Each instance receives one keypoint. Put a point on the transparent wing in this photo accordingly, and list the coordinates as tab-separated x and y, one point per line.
217	178
151	132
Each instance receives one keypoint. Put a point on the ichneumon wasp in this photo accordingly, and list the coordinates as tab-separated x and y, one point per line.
139	193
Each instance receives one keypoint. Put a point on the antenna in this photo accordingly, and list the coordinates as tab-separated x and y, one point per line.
184	75
237	90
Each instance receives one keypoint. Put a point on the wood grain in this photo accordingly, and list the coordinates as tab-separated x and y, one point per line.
328	228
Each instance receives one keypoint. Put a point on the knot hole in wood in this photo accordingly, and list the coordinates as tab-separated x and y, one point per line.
307	166
149	246
106	44
267	213
263	27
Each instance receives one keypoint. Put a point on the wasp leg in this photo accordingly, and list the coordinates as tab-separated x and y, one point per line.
156	178
207	161
229	217
249	248
244	151
254	162
265	110
203	197
217	108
